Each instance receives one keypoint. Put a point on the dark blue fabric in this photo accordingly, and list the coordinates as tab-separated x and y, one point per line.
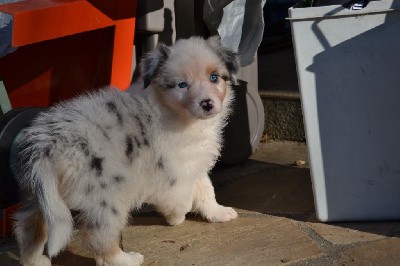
5	39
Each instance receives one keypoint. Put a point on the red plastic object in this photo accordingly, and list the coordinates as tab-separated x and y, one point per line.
67	47
6	220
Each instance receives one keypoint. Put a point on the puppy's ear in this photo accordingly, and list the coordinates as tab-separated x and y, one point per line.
229	57
152	62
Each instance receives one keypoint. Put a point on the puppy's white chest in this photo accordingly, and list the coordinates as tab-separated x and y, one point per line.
190	154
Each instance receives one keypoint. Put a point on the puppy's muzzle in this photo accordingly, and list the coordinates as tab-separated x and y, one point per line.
207	105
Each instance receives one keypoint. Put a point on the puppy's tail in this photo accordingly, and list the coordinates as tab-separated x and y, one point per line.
56	213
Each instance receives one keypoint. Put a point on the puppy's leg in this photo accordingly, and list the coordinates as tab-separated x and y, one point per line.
205	203
177	215
121	258
176	204
31	233
101	230
104	243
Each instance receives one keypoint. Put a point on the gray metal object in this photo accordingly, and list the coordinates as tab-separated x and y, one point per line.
5	104
150	16
255	108
11	125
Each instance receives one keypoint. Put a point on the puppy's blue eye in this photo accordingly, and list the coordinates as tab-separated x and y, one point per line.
183	84
213	78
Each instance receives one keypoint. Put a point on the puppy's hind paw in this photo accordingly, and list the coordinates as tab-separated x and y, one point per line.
122	259
136	258
175	220
221	214
39	261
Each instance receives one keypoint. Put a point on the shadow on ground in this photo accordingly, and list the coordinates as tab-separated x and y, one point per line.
67	258
267	188
280	190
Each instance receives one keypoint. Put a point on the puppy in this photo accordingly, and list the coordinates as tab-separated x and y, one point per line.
105	153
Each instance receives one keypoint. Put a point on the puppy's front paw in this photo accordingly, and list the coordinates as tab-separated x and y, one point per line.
221	214
122	259
175	220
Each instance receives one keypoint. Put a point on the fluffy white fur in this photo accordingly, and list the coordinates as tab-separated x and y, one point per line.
107	152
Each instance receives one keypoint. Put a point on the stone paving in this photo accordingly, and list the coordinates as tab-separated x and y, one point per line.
276	224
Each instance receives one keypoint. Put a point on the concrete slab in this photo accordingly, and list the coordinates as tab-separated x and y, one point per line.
281	152
384	252
268	183
347	233
258	241
281	191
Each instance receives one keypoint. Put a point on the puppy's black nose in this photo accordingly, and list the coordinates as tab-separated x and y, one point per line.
207	105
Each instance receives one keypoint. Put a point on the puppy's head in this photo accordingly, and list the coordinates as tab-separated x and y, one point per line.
192	77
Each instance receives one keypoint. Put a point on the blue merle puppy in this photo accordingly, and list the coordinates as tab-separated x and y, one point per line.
107	152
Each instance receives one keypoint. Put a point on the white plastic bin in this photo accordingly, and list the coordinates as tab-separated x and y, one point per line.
348	65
